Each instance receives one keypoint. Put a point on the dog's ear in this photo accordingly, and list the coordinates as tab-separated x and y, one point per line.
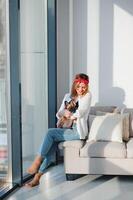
77	104
66	103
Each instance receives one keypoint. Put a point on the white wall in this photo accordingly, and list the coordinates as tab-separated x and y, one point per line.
102	47
62	49
123	47
71	43
79	36
111	51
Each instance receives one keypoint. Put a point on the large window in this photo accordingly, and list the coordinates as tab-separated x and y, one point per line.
27	94
3	93
34	87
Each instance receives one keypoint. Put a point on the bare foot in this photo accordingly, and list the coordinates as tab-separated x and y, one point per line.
35	181
35	165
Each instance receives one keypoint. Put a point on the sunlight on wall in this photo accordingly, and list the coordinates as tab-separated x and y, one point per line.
123	56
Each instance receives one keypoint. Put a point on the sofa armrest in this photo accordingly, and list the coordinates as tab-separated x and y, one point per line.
74	144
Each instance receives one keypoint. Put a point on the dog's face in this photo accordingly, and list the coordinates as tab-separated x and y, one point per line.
71	106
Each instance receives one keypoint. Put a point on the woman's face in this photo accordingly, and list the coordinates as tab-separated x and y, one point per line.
81	89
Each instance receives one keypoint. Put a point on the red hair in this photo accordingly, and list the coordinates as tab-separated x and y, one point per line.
79	78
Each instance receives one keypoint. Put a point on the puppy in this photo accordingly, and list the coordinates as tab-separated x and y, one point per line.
64	122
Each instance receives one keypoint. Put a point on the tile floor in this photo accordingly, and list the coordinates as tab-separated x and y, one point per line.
53	186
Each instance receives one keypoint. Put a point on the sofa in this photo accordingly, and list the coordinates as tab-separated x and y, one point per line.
88	156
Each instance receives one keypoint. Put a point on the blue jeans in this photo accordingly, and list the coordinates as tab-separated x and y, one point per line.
49	146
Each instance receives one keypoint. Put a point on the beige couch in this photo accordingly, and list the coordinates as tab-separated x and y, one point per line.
99	157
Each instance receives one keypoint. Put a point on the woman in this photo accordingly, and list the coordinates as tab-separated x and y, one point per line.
79	93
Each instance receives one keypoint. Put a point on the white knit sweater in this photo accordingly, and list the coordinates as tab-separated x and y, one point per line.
81	113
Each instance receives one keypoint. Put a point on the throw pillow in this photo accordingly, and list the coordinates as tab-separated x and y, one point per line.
125	118
91	119
107	128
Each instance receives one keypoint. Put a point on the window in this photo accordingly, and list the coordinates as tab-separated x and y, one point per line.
27	95
34	80
3	94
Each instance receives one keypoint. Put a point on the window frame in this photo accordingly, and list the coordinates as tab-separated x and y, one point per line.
14	106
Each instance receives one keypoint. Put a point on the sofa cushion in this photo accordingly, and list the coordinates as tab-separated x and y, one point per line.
74	144
107	128
98	111
125	123
94	109
130	148
90	120
103	150
92	117
125	118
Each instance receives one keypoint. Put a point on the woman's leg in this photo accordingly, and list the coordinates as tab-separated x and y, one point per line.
57	135
48	142
53	135
35	165
49	159
35	181
47	150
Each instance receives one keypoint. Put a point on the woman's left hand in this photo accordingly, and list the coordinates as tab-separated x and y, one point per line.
67	114
73	118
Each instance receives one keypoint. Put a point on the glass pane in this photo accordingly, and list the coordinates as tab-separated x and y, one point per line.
3	80
33	29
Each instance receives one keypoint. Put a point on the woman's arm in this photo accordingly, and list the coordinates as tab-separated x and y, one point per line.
61	110
84	106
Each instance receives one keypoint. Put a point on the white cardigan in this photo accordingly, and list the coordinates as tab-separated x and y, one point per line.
81	113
